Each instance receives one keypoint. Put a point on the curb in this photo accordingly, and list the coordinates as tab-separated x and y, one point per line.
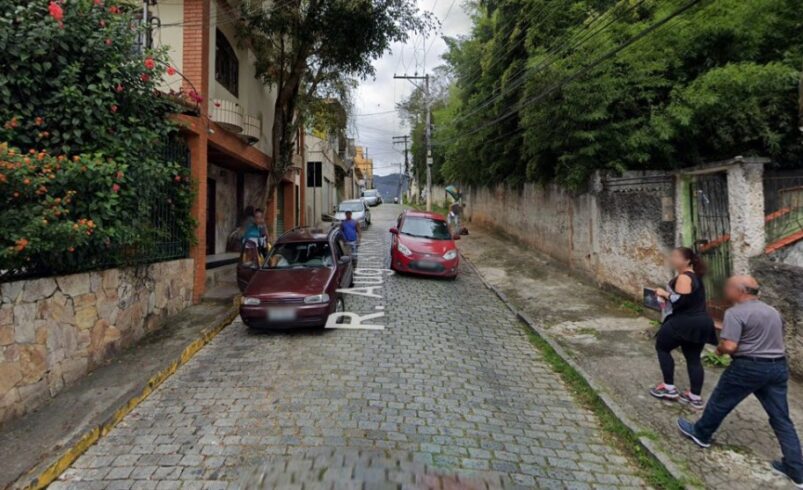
648	445
48	475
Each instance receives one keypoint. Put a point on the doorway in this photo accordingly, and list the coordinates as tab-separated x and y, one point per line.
211	210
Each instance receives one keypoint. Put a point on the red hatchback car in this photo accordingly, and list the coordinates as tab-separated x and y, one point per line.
422	244
297	285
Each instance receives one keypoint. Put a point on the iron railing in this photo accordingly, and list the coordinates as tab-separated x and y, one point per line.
163	240
783	208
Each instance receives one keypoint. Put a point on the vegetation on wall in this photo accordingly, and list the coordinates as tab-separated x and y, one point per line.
83	131
554	90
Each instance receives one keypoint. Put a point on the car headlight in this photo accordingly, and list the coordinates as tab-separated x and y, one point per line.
403	249
318	298
250	301
450	255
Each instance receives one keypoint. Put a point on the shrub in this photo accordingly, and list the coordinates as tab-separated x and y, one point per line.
85	130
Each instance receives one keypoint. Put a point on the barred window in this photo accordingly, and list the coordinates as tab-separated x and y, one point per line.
227	68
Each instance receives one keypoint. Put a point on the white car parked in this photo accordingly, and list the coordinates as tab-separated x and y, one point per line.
359	212
372	197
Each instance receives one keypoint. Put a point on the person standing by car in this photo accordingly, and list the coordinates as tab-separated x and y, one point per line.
351	233
753	335
686	325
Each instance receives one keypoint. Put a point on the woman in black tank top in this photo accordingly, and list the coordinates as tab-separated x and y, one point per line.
686	324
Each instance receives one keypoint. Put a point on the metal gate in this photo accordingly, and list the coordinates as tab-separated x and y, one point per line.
711	230
280	209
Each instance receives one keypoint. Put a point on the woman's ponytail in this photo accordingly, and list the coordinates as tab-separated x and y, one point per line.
695	261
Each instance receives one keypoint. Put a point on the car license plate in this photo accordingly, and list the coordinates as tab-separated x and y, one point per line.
281	314
425	264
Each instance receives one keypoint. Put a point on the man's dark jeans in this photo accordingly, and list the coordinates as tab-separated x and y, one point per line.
766	380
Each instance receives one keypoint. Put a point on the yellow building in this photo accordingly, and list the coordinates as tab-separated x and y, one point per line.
365	166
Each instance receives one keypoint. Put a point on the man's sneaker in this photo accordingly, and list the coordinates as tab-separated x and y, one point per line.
687	429
661	391
780	467
695	403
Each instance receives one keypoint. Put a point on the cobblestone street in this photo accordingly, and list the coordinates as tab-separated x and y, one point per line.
450	386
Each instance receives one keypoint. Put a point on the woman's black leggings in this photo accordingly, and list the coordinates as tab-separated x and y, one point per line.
665	343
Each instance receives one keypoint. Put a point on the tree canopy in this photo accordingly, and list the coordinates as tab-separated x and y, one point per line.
311	51
554	90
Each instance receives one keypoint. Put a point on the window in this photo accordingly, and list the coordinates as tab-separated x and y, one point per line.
227	68
425	228
314	177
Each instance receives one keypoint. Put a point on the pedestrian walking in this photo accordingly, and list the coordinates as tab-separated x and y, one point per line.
752	334
686	324
351	233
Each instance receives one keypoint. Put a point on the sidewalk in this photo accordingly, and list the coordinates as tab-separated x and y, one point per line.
39	445
607	338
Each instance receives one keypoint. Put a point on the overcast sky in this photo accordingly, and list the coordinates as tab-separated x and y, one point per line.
382	94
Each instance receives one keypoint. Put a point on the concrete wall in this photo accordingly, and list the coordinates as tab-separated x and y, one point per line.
53	331
617	238
780	286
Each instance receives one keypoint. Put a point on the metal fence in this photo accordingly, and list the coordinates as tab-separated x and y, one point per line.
163	240
783	207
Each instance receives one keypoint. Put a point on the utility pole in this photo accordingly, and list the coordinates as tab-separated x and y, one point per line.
403	175
428	131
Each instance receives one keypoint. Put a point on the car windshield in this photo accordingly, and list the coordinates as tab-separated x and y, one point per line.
370	193
300	255
425	228
350	206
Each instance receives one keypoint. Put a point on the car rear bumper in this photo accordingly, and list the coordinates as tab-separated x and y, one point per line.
306	316
425	266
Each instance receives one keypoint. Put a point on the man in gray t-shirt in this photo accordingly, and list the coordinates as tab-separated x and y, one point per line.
752	334
756	328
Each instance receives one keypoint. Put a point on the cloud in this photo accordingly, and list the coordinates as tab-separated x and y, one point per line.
382	93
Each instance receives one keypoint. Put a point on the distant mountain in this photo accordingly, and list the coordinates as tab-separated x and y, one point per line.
388	186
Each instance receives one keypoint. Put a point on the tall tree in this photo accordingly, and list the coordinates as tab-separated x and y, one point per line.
309	51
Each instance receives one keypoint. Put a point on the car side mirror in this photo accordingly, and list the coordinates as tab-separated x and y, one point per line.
394	231
344	260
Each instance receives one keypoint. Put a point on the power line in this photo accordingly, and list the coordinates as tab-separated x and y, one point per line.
580	72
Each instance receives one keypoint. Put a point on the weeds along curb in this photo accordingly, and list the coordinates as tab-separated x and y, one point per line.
41	479
676	477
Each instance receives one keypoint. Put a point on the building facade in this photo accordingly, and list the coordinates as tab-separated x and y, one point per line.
227	128
365	167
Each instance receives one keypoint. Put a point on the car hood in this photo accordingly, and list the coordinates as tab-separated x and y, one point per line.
426	246
357	216
277	284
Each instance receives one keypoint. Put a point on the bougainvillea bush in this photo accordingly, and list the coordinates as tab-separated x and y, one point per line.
83	131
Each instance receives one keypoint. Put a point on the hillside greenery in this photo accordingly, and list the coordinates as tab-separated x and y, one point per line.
532	96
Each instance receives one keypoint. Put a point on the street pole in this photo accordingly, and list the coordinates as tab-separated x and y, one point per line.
403	175
429	144
428	132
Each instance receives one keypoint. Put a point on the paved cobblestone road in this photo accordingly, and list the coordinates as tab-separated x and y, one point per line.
450	386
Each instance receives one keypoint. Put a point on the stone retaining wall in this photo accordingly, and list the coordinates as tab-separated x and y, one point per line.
55	330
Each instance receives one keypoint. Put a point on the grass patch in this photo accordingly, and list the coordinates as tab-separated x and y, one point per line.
634	307
617	433
712	359
444	210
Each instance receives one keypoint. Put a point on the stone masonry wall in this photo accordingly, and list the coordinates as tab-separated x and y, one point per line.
615	238
55	330
780	286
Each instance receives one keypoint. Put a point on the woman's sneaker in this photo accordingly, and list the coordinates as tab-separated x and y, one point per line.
661	391
696	403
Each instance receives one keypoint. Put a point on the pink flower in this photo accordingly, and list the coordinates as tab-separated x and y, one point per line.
114	108
171	71
149	63
115	187
56	11
144	77
118	88
108	42
98	2
114	9
195	96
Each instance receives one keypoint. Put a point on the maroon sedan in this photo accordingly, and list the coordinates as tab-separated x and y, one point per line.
297	285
